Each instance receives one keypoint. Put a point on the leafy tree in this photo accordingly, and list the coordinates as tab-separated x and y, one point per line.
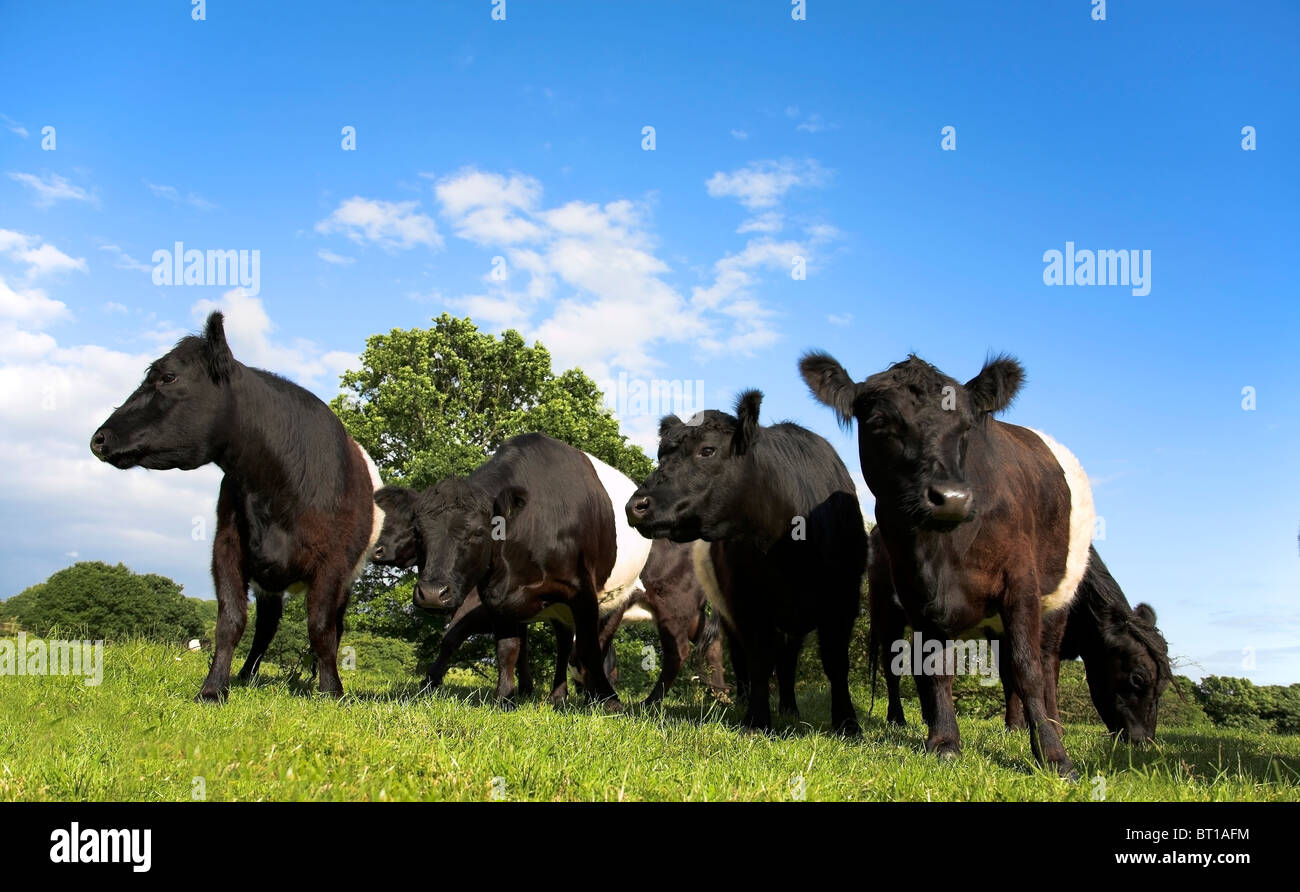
110	602
428	402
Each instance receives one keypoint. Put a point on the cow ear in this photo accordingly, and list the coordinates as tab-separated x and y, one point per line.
997	384
830	384
747	417
667	423
221	361
1145	613
509	502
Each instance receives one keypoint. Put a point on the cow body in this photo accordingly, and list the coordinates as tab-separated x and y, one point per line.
787	548
534	531
295	509
976	517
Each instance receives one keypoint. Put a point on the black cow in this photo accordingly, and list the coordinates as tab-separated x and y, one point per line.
533	530
788	547
296	506
399	545
976	517
1124	655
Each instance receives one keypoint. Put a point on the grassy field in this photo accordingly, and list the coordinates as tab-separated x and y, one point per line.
139	737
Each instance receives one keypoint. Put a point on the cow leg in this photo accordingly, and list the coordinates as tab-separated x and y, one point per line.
270	607
942	738
893	691
675	644
586	620
508	648
327	597
1022	617
761	653
787	665
470	618
525	670
712	655
1014	718
739	662
833	644
563	649
231	583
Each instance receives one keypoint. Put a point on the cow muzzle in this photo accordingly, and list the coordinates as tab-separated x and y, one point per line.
949	503
432	596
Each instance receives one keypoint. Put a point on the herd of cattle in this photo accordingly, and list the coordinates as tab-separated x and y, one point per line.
982	527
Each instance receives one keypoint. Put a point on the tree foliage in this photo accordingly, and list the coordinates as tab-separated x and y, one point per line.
96	600
429	402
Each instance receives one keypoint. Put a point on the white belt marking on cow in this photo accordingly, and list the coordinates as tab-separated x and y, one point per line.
708	577
1083	516
632	549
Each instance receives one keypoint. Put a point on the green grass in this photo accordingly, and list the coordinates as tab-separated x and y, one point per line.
139	737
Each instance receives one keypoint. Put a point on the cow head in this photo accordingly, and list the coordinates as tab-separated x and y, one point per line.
700	478
1130	675
914	423
177	417
399	542
460	524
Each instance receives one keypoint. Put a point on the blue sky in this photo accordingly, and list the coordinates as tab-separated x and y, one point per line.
774	138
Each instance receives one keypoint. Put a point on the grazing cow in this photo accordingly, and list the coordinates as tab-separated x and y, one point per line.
1124	655
296	506
533	529
976	517
787	545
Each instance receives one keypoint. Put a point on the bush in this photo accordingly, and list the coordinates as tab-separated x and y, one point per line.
96	600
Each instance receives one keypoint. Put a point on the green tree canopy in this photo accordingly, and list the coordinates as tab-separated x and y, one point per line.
97	600
428	402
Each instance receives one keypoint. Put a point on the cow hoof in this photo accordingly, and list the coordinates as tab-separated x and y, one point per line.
849	728
1066	770
946	750
614	706
210	695
507	703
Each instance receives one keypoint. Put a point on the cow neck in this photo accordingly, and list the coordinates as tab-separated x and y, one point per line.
768	510
260	447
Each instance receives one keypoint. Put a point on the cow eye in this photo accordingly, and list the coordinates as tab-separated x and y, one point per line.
706	451
169	378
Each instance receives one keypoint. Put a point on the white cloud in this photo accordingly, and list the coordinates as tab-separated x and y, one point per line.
811	123
249	331
763	184
29	306
13	126
52	189
840	319
331	257
40	257
125	260
769	222
739	134
172	194
113	306
390	224
490	208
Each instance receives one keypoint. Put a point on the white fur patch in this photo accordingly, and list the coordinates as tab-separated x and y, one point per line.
377	521
632	549
1082	518
638	614
708	577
